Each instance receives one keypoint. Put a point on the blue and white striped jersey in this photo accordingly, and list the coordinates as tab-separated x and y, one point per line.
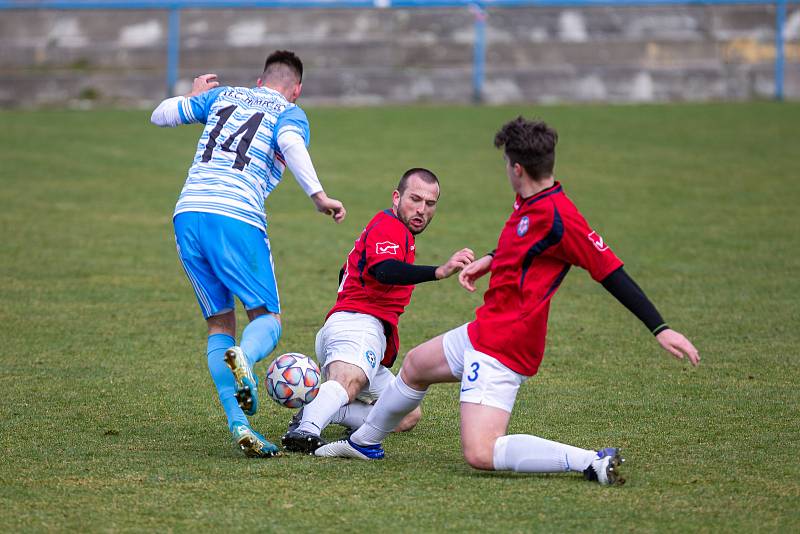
238	162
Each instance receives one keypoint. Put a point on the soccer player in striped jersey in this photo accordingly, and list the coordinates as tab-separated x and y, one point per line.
498	351
359	341
251	135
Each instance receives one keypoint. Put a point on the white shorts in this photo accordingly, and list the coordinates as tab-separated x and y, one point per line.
484	380
358	339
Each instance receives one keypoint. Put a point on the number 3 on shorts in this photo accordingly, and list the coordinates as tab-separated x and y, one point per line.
473	376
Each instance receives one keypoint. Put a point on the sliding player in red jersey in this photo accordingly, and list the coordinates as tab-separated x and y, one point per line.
359	341
498	351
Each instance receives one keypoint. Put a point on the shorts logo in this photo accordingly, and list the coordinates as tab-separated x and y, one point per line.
522	227
386	247
370	355
597	241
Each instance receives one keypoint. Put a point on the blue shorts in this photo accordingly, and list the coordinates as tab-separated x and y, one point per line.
224	257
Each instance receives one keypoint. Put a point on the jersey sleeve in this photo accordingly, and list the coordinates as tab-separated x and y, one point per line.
582	246
293	119
195	109
385	241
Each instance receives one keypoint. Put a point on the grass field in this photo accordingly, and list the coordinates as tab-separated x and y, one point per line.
109	421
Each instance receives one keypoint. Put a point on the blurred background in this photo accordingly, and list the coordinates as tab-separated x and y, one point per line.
357	52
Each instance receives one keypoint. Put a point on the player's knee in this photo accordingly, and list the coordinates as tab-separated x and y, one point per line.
224	323
411	370
479	455
349	376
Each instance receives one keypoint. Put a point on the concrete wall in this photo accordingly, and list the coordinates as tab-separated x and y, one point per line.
406	55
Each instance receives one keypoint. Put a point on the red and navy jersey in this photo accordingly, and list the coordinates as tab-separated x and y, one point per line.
543	238
384	238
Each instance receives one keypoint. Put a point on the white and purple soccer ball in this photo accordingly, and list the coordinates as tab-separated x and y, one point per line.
293	380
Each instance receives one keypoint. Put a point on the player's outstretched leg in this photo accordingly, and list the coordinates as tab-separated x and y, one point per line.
253	444
245	381
531	454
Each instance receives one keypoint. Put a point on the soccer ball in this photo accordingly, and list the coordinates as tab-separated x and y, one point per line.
293	380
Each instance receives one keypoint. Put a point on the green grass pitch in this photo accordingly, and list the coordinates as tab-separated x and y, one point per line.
109	421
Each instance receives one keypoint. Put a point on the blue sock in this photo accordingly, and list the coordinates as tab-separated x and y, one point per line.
223	378
260	337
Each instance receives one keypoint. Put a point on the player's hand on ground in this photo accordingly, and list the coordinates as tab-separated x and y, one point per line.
203	83
329	206
457	262
473	271
676	344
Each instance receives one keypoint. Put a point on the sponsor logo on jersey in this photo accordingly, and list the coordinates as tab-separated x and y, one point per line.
597	241
386	247
370	355
523	225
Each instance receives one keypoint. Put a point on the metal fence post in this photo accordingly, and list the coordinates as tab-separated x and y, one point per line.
173	48
780	21
479	52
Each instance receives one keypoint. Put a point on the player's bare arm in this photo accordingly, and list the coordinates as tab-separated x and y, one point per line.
475	270
202	83
456	263
329	206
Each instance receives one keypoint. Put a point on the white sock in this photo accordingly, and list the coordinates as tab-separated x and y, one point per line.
528	454
318	413
353	415
395	403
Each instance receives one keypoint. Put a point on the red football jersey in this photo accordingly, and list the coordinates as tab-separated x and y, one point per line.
384	238
543	238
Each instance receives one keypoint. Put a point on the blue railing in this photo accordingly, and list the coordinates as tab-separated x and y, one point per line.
478	8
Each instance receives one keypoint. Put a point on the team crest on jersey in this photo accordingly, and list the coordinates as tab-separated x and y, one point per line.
386	247
523	225
597	241
370	355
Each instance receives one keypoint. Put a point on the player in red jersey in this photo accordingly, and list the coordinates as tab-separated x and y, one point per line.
359	341
494	354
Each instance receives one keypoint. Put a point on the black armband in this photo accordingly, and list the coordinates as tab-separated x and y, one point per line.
632	297
400	273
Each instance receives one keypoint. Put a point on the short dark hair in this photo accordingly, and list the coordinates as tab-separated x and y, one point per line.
531	143
284	57
423	174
